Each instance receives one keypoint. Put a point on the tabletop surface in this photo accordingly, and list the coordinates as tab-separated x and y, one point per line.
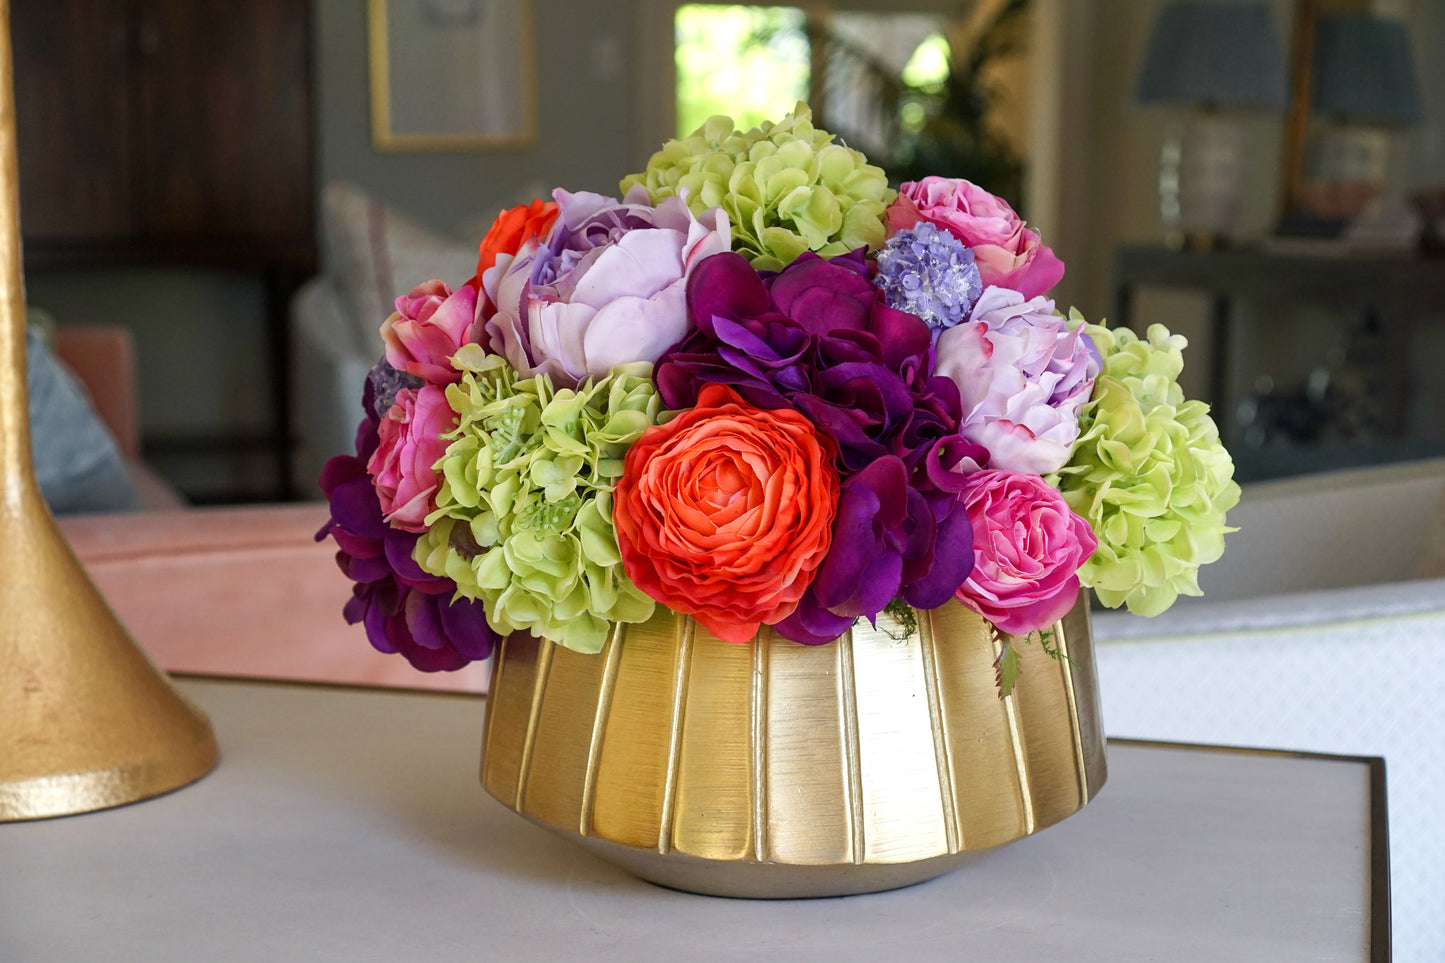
349	824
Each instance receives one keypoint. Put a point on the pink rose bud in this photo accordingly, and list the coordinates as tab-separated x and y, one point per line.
429	325
1006	252
1027	549
410	445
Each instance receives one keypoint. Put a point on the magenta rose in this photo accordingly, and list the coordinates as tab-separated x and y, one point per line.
1006	252
411	444
431	322
1027	549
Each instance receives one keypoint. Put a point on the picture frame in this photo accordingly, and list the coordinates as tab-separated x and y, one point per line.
452	75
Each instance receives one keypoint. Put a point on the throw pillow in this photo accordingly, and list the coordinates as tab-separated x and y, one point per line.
76	460
378	254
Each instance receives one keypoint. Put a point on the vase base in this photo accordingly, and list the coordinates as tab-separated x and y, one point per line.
754	879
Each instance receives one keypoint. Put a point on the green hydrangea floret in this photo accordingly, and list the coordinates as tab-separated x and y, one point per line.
786	187
524	512
1149	474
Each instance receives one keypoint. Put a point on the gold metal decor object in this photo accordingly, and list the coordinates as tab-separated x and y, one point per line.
86	721
773	769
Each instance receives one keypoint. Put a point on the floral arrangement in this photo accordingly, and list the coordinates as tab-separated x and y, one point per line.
763	388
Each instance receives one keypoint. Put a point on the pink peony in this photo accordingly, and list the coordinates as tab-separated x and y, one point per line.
411	445
606	287
430	324
1006	252
1022	375
1027	549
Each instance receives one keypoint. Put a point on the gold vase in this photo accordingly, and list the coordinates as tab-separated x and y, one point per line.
774	769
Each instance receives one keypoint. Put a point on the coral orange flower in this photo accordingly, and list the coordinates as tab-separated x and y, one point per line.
511	230
726	512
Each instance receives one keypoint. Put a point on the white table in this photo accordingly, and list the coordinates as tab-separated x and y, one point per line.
348	824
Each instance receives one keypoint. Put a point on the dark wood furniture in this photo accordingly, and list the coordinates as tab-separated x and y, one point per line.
172	133
1387	290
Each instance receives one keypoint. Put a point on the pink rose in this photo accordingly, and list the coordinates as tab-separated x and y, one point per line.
1007	253
410	445
430	324
1027	549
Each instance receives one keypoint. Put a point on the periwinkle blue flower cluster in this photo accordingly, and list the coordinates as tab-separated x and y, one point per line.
383	384
929	273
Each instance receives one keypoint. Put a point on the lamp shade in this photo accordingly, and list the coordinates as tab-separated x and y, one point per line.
1217	53
1364	72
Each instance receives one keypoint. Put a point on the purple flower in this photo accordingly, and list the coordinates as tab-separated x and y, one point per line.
383	384
404	609
891	539
1023	375
928	272
818	337
605	287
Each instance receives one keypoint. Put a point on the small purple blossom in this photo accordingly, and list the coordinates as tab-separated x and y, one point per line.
383	384
929	273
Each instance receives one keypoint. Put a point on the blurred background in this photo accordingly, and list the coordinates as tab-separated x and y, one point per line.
240	190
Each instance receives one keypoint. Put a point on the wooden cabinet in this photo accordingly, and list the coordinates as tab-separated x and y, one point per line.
73	119
164	121
171	132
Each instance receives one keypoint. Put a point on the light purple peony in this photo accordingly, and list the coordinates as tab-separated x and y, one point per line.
1023	376
606	287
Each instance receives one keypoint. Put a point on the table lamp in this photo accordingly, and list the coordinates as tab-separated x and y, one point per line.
1208	57
86	721
1364	91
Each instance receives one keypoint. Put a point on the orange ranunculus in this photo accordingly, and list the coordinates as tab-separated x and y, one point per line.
726	512
511	230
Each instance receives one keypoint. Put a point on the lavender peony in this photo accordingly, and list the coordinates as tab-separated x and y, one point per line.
607	286
1023	375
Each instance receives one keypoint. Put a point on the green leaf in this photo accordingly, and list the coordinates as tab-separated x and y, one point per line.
1006	668
1049	642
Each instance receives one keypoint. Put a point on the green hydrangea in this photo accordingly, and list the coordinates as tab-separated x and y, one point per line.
786	187
1148	473
524	512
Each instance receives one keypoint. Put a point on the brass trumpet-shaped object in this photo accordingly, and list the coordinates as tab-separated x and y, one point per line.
773	769
86	722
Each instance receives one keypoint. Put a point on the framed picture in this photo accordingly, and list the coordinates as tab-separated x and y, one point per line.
452	74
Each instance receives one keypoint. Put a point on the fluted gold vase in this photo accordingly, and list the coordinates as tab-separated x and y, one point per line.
773	769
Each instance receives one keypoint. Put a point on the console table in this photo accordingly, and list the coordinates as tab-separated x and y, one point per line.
348	824
1388	289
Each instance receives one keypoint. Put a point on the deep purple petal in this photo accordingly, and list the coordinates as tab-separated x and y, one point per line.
724	286
951	563
811	624
465	623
